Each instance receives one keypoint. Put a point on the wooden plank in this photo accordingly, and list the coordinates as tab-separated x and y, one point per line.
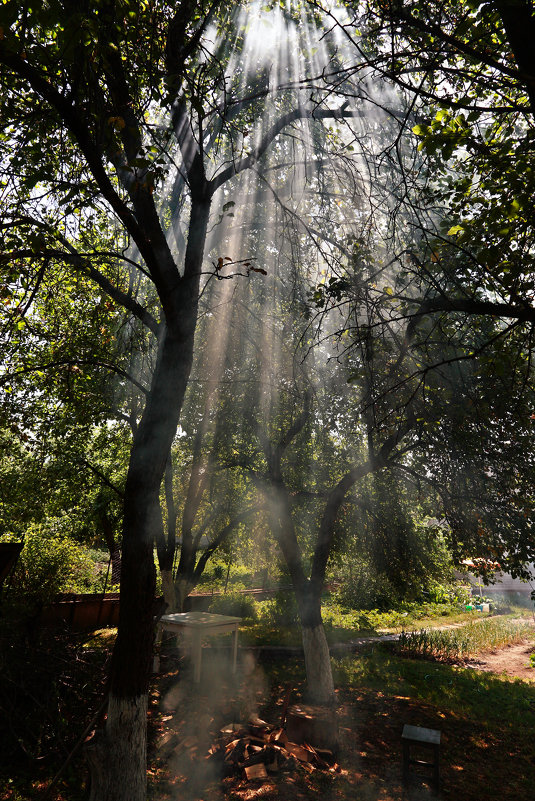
419	734
256	771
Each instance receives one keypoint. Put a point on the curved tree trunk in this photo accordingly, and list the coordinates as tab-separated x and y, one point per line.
122	747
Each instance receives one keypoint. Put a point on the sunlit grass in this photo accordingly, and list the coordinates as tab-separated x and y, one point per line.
473	638
341	626
462	691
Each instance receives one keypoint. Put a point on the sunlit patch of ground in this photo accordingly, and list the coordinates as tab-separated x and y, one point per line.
514	661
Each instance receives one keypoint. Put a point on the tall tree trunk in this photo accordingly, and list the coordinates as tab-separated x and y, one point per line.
121	751
320	685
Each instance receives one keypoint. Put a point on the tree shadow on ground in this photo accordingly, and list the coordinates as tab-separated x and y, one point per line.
487	725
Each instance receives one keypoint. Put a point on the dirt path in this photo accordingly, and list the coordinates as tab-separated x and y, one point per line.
512	660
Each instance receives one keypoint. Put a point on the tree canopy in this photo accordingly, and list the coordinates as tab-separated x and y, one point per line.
304	233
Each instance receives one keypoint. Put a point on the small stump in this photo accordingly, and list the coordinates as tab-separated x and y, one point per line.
422	738
315	725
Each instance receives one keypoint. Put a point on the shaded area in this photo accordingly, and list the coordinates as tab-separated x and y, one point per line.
479	715
487	723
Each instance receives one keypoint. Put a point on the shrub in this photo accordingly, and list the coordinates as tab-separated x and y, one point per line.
50	563
234	603
281	611
363	588
453	593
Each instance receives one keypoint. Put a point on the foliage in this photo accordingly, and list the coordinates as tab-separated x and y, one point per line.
215	575
280	611
279	628
453	593
363	588
52	562
389	553
469	640
233	603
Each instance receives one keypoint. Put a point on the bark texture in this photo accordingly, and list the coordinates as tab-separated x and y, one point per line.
133	653
320	684
168	588
114	755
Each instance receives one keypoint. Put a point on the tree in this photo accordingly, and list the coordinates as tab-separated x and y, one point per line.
101	102
452	280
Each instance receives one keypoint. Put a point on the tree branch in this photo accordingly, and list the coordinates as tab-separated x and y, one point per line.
73	258
277	127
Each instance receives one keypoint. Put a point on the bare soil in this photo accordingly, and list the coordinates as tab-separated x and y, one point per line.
513	660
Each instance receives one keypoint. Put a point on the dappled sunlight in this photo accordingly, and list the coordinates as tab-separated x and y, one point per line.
475	742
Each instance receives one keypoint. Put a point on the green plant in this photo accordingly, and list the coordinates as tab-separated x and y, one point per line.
448	593
471	639
281	610
234	603
49	563
363	588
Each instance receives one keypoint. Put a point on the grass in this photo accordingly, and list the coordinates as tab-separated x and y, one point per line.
475	695
487	725
473	638
52	685
487	722
274	624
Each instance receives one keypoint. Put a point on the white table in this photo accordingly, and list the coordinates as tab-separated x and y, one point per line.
200	624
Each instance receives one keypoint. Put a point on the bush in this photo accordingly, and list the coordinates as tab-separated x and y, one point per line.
363	588
50	563
215	576
234	603
281	611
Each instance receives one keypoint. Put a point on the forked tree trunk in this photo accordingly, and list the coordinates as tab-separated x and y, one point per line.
183	587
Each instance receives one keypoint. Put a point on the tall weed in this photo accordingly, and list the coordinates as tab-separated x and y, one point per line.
471	639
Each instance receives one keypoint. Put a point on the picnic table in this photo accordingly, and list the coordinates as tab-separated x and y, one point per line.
199	625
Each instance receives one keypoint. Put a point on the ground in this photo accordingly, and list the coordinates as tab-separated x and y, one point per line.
512	661
487	723
487	720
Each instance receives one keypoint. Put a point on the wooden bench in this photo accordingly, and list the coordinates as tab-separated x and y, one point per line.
422	738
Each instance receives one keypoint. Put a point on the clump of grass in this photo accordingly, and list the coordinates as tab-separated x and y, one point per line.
474	638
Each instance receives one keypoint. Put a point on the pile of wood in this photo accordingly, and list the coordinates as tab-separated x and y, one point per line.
257	750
